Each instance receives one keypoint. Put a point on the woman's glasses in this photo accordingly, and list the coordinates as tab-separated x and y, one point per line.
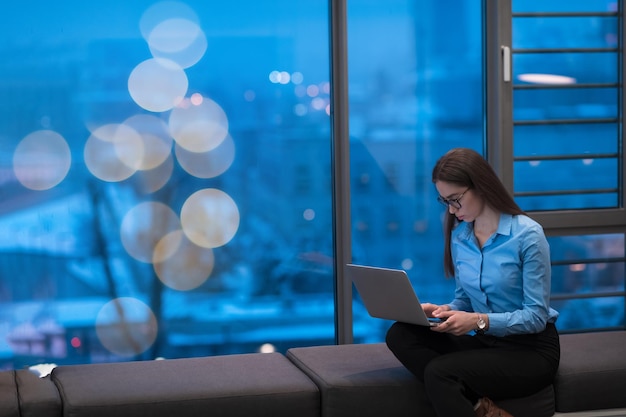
454	202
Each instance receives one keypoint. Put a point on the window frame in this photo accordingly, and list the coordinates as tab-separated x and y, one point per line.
500	126
499	131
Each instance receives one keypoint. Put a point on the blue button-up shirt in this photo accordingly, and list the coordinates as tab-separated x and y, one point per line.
508	279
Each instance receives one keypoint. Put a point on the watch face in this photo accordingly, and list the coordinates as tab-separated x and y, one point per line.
481	323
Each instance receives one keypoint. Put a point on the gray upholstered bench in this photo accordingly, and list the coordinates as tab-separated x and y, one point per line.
234	385
592	373
9	402
367	380
361	380
323	381
24	394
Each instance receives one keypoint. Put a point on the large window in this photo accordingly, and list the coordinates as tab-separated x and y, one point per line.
165	179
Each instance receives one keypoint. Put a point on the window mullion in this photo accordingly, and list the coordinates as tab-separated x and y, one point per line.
499	93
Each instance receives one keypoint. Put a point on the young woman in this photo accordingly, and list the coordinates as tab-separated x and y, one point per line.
498	339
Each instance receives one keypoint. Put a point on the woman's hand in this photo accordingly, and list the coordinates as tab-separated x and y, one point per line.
455	322
432	310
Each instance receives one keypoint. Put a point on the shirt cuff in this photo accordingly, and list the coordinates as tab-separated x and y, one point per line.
497	324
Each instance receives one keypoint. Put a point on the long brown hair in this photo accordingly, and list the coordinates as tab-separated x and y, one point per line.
467	168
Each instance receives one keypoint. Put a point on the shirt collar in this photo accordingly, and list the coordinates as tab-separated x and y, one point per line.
505	225
466	230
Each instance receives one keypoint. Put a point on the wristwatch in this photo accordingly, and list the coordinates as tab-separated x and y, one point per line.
480	324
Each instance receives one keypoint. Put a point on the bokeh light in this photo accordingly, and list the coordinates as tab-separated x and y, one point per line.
312	90
300	110
180	264
179	40
113	152
152	180
297	78
164	10
207	164
75	342
267	348
318	103
173	35
196	99
199	128
42	160
144	226
249	95
157	142
157	84
284	77
210	218
126	326
274	77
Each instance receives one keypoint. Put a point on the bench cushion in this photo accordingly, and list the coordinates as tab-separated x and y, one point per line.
592	372
367	380
263	384
9	405
38	396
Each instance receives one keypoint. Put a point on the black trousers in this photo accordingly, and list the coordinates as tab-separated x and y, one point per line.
458	370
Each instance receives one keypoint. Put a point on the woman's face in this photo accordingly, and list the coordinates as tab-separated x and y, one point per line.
461	201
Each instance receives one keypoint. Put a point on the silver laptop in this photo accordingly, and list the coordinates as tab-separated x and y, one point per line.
388	294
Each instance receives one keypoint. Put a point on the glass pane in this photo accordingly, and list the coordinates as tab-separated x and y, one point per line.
565	139
592	175
582	103
590	313
171	161
576	201
586	174
415	92
566	68
563	6
592	268
565	32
